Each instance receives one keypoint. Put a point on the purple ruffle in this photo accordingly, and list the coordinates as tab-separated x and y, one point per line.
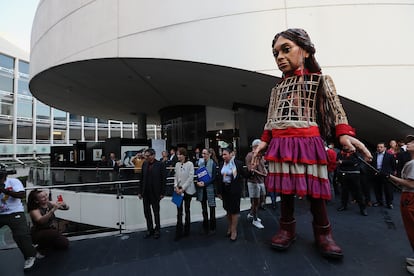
300	185
306	150
303	151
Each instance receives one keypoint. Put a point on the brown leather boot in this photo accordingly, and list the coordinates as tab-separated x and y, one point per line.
325	242
285	236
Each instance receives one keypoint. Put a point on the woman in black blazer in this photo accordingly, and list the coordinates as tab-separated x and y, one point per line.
229	189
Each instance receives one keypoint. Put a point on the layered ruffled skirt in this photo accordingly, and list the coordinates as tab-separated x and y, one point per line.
298	163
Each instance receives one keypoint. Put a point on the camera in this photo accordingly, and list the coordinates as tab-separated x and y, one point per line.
4	169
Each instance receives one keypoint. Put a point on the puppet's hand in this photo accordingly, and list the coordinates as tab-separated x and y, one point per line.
351	143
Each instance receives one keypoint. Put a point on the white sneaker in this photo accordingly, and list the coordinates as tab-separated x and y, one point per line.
39	256
250	216
258	219
409	261
29	262
258	224
410	269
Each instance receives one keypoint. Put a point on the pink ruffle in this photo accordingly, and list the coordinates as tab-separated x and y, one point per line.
306	150
299	150
300	185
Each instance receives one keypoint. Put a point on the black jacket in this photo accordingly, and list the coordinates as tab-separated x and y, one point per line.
236	185
388	163
156	177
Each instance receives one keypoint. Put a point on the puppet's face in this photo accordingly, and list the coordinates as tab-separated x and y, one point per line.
288	55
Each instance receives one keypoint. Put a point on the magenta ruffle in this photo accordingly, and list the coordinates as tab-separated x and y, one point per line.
300	185
306	150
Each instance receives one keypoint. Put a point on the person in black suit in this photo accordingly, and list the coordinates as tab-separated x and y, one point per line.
151	189
349	171
386	165
172	158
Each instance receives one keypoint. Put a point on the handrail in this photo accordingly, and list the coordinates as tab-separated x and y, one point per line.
82	184
81	169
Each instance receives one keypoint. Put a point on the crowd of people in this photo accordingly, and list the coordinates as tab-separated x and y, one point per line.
291	159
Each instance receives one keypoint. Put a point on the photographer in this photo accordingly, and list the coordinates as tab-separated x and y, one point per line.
12	215
45	231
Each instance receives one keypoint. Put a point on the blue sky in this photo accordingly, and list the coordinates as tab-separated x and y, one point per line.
16	18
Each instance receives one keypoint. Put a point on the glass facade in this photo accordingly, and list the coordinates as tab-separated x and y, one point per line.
6	83
6	131
23	87
42	111
184	125
24	68
6	104
24	107
48	125
7	62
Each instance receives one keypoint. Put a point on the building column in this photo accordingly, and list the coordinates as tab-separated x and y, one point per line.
82	129
141	126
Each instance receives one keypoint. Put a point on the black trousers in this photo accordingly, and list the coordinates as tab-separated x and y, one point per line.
366	187
206	225
153	203
381	186
186	206
18	225
351	182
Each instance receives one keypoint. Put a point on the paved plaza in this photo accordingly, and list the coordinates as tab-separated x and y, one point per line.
373	245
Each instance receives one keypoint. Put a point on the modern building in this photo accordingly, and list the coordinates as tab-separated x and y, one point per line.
204	69
29	127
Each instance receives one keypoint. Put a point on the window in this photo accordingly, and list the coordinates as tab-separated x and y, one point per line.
42	133
59	134
42	111
75	134
6	62
59	115
89	134
23	67
6	84
6	105
74	118
23	87
24	108
102	134
89	120
6	130
24	131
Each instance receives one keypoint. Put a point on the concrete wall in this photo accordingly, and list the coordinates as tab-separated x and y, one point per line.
364	45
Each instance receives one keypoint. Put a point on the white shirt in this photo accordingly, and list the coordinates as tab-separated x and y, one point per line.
380	158
9	204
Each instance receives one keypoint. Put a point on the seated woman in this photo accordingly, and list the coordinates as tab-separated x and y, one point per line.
44	231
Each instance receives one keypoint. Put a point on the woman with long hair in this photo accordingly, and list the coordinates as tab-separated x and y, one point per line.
45	232
184	186
205	192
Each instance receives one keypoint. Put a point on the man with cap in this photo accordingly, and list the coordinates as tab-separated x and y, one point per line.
12	215
407	197
255	184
